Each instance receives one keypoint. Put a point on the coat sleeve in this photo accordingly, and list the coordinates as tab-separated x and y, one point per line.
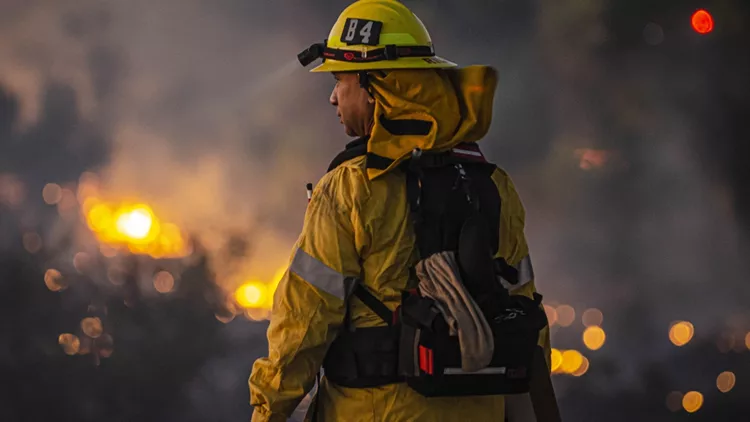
308	305
514	247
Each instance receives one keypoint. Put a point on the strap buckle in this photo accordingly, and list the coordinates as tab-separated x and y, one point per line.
390	52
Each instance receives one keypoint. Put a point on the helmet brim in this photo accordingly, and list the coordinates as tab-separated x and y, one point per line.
434	62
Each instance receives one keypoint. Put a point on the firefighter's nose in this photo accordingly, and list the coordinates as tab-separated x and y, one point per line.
334	99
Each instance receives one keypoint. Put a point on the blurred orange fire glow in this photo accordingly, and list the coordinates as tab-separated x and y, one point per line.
134	226
257	295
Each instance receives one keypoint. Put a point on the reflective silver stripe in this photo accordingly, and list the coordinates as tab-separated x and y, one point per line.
485	371
525	274
525	270
318	274
467	152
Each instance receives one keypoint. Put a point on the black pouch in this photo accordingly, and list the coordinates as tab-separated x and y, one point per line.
364	358
430	358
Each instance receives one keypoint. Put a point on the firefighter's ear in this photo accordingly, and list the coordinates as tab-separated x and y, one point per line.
370	99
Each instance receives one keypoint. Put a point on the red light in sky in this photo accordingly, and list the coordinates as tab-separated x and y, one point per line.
702	22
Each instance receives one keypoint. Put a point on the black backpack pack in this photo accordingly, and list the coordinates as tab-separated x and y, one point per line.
455	206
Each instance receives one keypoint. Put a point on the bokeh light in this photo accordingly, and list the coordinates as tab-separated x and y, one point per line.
747	341
54	280
86	345
12	190
581	369
81	261
88	186
163	282
551	315
692	401
556	360
571	361
725	381
92	327
565	315
702	22
226	315
594	337
116	276
250	294
257	314
67	202
107	251
52	193
70	343
32	242
681	333
105	345
592	317
255	297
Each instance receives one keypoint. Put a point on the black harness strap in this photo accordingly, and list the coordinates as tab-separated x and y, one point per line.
414	177
507	271
353	149
374	303
413	194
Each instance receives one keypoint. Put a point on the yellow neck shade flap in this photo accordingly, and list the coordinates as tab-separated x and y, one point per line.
430	109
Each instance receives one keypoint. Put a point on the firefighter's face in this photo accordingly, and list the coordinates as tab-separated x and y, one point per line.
354	106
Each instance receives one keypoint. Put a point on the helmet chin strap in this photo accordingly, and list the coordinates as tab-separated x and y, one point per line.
364	80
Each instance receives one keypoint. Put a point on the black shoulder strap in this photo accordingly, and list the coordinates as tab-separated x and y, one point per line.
464	152
353	149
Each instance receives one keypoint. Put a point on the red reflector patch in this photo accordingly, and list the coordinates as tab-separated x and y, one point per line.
425	360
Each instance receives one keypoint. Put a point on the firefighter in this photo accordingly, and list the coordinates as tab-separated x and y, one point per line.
395	96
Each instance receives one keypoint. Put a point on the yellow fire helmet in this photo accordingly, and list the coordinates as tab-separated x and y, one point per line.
375	34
